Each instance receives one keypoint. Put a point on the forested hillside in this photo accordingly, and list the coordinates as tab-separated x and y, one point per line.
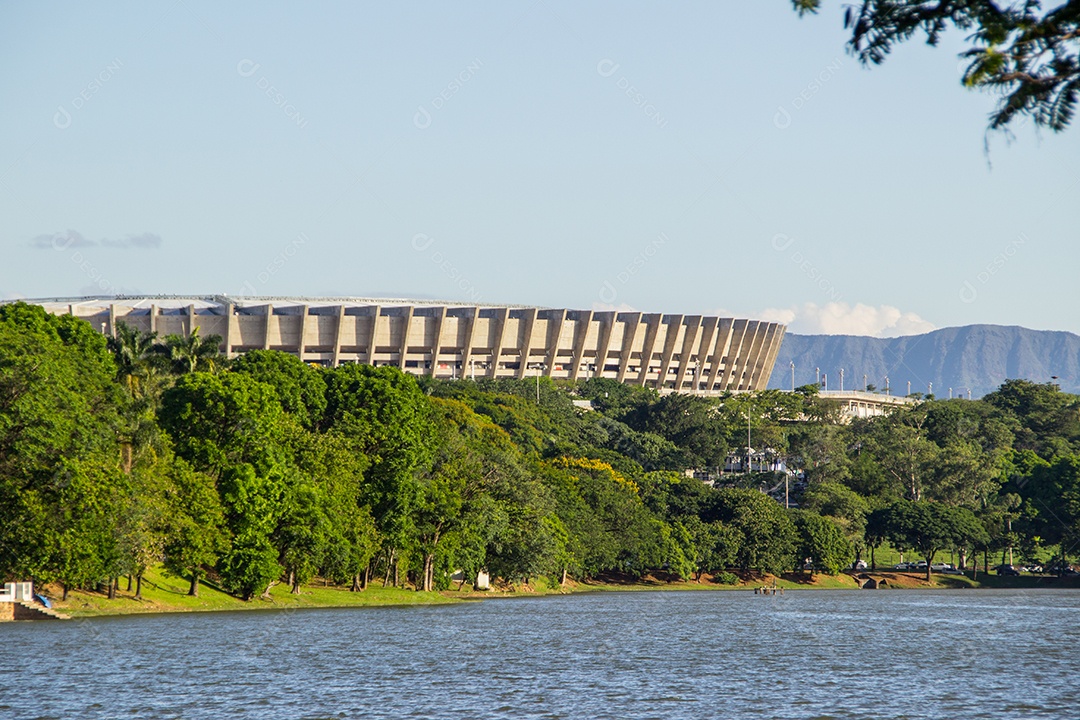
122	454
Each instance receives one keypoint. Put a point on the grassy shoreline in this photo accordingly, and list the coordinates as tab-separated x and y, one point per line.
166	594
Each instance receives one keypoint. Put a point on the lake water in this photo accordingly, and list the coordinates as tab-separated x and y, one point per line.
809	654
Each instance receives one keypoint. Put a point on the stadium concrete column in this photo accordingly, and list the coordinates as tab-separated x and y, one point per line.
470	339
266	327
500	336
648	348
691	333
738	333
406	330
437	340
671	336
607	326
630	330
336	358
584	324
525	348
373	333
556	321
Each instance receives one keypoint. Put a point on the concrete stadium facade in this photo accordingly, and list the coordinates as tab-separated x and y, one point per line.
698	354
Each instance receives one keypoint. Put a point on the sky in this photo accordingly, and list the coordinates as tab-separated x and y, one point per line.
696	158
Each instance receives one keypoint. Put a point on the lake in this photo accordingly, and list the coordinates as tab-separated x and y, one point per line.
808	654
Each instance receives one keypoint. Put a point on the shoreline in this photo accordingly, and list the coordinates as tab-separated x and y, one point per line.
168	595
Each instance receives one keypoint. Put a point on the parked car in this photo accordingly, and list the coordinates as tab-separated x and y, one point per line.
1035	569
1068	571
1006	570
901	566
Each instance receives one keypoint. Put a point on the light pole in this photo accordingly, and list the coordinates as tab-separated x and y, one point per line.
930	389
886	384
539	367
841	379
792	376
749	469
817	376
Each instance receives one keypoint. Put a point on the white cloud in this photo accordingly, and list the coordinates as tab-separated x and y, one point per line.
840	318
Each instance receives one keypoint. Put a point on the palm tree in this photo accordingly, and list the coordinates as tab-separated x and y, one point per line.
183	355
132	350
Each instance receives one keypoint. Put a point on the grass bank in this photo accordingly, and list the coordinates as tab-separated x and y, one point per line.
163	593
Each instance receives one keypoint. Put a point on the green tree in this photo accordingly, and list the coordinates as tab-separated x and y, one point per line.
930	527
387	418
768	536
182	355
196	534
822	542
299	386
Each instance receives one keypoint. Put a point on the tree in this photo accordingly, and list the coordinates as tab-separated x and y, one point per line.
181	355
385	416
1026	54
300	387
132	351
821	541
900	447
690	422
929	527
61	488
768	535
844	506
713	546
253	506
218	421
196	528
304	531
472	456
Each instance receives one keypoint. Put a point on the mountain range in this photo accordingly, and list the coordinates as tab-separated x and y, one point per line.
973	358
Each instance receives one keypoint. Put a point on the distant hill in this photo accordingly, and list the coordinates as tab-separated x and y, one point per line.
975	357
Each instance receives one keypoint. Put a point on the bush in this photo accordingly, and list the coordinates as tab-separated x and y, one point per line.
726	578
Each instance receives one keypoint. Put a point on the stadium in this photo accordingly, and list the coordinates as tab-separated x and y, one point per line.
697	354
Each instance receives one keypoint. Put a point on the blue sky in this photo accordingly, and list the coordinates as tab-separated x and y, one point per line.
694	158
